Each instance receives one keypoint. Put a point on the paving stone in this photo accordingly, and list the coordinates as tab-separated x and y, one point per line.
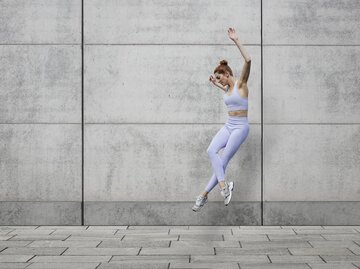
31	232
15	258
295	259
137	243
327	231
101	251
231	258
339	258
66	243
194	243
54	259
295	237
320	251
341	236
71	228
152	227
275	244
259	231
102	227
332	266
5	237
200	232
30	227
13	265
144	232
38	237
264	227
177	251
137	265
33	251
86	232
14	243
222	265
206	237
150	238
208	227
340	227
247	238
242	251
68	265
354	249
311	227
275	266
151	259
332	243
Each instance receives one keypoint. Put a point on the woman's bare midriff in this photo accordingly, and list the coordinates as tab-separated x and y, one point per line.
240	113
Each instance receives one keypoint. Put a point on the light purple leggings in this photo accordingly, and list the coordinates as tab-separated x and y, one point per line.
229	137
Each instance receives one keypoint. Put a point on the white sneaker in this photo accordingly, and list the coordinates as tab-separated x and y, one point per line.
226	192
200	202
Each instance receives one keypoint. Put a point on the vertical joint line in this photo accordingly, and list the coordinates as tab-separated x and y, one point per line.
262	124
82	112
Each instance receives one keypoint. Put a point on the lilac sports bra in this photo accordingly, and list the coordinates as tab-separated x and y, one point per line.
235	101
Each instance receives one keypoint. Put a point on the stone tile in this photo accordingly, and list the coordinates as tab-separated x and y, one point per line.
275	266
34	251
275	244
178	251
190	243
231	258
259	231
38	237
201	232
93	238
152	259
14	243
247	238
106	227
5	237
259	227
30	227
135	243
346	237
15	258
153	227
339	258
150	237
332	266
108	233
13	265
63	227
212	227
295	259
355	249
68	265
62	259
326	231
320	251
206	237
332	243
101	251
295	237
31	232
137	265
303	227
66	243
223	265
242	251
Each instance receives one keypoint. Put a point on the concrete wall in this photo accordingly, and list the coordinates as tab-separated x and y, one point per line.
149	112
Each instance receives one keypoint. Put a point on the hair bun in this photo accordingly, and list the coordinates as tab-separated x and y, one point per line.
224	62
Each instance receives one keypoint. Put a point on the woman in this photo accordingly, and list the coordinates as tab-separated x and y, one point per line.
235	130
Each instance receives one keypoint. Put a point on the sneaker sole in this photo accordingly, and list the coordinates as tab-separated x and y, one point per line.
230	195
196	210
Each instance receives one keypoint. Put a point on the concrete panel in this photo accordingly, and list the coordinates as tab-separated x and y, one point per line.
40	213
163	84
312	84
172	213
312	213
158	162
40	84
175	22
40	162
311	163
311	22
40	21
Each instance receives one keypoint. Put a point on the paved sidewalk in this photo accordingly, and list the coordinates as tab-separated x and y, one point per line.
168	247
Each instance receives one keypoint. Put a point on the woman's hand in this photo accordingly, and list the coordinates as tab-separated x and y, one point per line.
212	79
232	34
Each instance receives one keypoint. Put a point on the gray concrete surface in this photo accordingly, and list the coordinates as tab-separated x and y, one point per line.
205	247
150	113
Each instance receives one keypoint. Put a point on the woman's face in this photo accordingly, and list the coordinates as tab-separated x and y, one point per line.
221	78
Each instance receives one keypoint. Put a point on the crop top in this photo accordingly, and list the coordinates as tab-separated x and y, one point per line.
235	101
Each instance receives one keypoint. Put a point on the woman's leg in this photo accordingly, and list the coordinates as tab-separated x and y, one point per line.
218	142
236	138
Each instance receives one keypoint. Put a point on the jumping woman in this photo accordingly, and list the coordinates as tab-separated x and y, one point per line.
235	130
